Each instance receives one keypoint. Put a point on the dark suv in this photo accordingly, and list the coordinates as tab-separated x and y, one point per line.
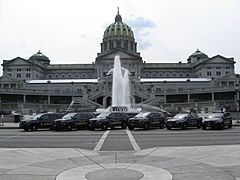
147	119
183	121
109	119
217	120
43	120
73	120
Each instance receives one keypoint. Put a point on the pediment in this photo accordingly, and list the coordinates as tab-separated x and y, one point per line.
124	55
18	62
219	59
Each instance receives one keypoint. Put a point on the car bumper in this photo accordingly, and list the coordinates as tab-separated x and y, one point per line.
174	125
138	124
212	124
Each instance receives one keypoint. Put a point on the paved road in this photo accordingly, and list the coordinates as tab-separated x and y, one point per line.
117	140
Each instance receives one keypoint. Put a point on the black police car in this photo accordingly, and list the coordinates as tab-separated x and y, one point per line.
147	119
217	120
109	119
42	120
183	121
73	120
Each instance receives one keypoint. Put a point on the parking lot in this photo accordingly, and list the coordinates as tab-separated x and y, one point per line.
118	139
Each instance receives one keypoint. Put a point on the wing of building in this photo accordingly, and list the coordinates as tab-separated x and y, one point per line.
201	82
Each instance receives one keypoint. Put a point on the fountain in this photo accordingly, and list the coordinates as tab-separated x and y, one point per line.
120	85
120	89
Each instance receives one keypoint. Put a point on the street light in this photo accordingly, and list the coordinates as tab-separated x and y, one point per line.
49	82
237	92
72	83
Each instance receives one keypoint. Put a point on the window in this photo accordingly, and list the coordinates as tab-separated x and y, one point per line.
28	69
228	67
111	45
9	74
209	67
9	70
118	43
227	72
218	73
218	67
28	75
209	73
18	75
19	69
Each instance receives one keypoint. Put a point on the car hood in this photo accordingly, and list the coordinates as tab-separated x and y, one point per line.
174	119
136	118
212	119
96	119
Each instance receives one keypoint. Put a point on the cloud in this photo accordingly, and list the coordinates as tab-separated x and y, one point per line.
140	22
140	26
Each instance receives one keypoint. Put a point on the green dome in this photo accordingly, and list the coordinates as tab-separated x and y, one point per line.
40	58
118	29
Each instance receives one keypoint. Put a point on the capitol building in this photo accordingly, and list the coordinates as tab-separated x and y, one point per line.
200	82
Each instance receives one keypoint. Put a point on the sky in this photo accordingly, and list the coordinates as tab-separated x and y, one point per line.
70	31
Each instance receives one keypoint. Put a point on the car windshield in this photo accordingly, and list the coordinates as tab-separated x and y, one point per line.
180	116
142	114
36	117
215	115
69	116
103	115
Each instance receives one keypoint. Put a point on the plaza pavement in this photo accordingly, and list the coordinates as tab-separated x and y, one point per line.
160	163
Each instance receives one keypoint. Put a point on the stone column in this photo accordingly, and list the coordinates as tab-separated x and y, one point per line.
49	99
188	98
24	98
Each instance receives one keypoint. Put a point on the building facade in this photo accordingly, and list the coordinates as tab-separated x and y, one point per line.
201	82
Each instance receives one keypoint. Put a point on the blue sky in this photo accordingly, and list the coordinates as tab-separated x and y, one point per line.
70	31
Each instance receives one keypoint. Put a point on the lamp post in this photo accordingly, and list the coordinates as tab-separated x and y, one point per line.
72	83
165	91
188	86
237	92
49	100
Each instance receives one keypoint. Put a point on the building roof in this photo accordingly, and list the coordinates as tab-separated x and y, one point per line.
175	79
62	81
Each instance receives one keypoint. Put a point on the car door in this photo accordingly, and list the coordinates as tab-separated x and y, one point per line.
45	121
227	118
153	119
191	121
83	119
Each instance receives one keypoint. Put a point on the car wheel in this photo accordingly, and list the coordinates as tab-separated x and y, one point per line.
146	126
124	126
230	125
131	127
204	127
92	128
69	127
199	126
222	126
112	127
161	126
169	127
184	126
26	129
33	128
104	127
